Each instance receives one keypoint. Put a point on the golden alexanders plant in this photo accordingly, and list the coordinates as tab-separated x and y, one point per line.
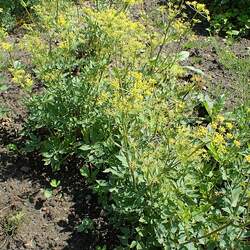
113	97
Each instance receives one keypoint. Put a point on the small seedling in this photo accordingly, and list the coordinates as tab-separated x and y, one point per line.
12	222
86	225
55	183
12	147
48	193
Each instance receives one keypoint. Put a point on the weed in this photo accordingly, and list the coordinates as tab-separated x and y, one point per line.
12	222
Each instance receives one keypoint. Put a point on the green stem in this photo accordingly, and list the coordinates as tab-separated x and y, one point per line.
57	10
208	234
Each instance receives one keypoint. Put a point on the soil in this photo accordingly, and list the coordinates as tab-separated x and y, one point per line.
51	223
218	79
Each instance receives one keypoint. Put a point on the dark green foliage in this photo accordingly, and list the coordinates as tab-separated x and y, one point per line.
230	17
15	10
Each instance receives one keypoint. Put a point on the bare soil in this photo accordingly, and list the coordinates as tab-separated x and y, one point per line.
219	79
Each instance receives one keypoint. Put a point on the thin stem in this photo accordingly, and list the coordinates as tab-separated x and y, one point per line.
209	234
57	10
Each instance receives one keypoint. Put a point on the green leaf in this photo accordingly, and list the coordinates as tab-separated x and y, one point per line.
142	220
55	183
23	4
138	246
3	87
86	225
84	172
12	147
85	147
208	104
48	193
195	70
122	159
183	55
235	196
133	244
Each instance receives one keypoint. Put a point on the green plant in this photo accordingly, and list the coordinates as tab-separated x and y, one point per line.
14	11
55	183
12	222
230	17
85	226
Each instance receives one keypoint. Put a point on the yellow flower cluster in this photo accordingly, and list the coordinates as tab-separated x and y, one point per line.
180	26
8	47
62	21
201	132
127	36
218	139
221	137
201	8
129	96
65	11
187	151
247	157
20	77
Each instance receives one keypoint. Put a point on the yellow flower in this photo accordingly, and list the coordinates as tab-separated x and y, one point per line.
237	143
6	46
201	131
222	149
28	82
214	125
220	118
218	139
229	136
171	141
115	84
229	125
200	7
63	45
131	2
222	129
103	97
247	157
62	21
179	26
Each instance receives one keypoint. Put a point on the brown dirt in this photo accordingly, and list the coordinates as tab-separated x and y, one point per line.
219	79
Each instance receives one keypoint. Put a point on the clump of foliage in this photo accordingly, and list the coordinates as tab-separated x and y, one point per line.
12	222
230	17
168	165
13	12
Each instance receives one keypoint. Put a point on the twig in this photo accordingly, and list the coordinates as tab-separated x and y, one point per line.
4	242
